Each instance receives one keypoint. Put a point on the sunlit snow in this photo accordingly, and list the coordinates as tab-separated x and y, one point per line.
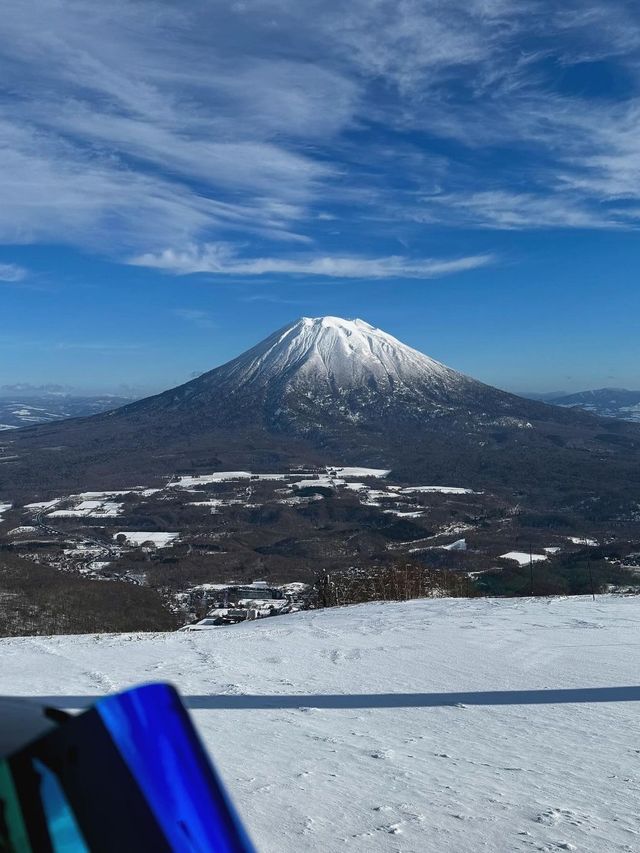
422	726
523	558
445	490
139	537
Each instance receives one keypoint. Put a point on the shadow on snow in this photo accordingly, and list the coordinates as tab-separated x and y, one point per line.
379	700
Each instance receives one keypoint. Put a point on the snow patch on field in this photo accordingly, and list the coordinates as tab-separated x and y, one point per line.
375	495
101	496
423	726
299	500
139	537
331	473
214	504
4	508
458	545
221	477
323	481
444	490
89	509
348	473
43	504
523	557
581	540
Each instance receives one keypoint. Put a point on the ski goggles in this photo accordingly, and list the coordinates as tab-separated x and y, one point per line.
129	774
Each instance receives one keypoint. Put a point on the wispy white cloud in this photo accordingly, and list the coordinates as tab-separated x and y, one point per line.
513	211
135	126
196	316
97	346
223	260
129	127
12	273
53	190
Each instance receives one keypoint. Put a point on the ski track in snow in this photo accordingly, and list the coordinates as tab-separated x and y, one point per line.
365	776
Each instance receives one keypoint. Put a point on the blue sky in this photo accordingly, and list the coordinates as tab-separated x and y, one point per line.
180	178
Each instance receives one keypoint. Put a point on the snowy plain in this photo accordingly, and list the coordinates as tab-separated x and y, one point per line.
139	537
434	725
523	558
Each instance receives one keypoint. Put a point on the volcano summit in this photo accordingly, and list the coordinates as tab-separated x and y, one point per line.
338	355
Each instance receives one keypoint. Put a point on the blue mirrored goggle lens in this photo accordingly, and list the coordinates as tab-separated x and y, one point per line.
129	774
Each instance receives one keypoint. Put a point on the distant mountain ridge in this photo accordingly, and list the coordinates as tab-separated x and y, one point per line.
25	408
606	402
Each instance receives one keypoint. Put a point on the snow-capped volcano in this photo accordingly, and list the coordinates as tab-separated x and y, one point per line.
319	372
319	376
333	353
322	389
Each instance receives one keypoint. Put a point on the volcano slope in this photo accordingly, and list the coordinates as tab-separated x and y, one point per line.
327	390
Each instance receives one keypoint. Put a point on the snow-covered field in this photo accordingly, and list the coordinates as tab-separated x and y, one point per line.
99	508
523	558
359	472
139	537
444	490
189	482
438	725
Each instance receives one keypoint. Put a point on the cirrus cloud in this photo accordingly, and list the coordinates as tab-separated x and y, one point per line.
222	259
129	127
12	273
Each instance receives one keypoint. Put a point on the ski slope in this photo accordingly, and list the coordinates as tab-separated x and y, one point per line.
438	725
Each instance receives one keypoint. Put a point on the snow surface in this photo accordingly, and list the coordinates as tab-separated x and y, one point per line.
445	490
101	496
4	508
43	504
458	545
577	540
221	477
422	727
323	480
335	352
523	557
139	537
188	482
89	508
359	472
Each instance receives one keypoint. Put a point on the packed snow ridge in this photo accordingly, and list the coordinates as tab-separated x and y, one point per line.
343	353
